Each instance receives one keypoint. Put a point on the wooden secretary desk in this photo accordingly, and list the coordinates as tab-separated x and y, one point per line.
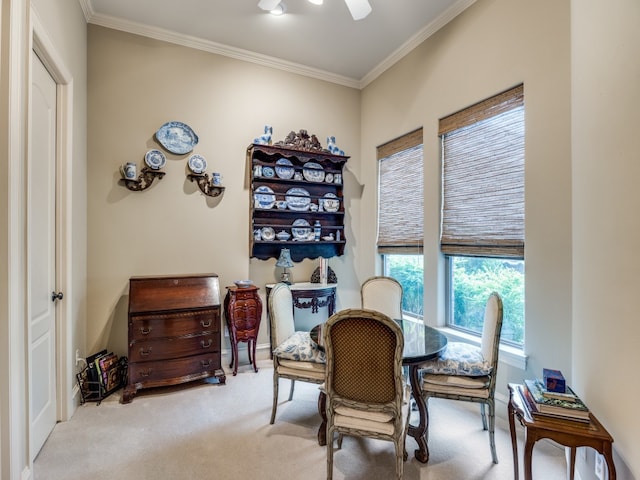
174	331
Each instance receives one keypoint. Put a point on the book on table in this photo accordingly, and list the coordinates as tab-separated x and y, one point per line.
572	409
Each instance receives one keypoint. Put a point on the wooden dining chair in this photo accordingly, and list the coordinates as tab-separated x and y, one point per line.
295	356
467	372
382	294
365	391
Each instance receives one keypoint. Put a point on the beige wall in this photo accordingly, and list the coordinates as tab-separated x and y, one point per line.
494	45
606	273
137	84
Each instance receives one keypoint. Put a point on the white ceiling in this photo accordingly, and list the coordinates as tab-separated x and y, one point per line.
318	41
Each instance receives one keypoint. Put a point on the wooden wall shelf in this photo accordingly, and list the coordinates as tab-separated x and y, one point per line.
263	168
205	184
145	179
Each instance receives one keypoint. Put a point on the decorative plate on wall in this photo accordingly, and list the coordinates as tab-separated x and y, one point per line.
197	164
155	159
177	137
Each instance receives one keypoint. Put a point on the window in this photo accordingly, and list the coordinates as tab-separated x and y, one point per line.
400	216
482	233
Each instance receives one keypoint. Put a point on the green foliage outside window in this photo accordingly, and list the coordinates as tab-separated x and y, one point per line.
474	279
409	271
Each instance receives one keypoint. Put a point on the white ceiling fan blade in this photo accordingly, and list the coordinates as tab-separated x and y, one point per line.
268	4
358	8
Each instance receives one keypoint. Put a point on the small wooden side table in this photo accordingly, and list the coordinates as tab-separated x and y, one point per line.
566	432
243	311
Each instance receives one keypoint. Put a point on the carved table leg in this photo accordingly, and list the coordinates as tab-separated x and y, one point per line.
322	409
419	432
234	358
514	439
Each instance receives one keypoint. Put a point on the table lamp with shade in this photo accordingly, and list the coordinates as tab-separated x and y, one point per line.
285	263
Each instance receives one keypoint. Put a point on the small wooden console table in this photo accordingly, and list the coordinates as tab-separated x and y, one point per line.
566	432
307	295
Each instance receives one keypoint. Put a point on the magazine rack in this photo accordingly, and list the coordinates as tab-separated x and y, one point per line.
94	390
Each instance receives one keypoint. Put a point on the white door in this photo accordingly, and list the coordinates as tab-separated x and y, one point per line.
41	248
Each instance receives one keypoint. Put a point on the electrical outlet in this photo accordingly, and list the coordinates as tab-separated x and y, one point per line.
600	467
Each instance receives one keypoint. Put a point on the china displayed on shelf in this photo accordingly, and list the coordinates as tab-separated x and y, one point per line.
284	168
155	159
268	172
264	198
298	199
197	164
301	229
330	202
177	137
268	234
313	172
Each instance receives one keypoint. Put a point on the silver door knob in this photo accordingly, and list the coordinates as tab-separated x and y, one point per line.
56	296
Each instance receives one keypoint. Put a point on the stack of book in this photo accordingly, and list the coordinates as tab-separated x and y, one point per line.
542	402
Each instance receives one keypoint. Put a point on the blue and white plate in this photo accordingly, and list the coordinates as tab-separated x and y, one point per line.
300	229
284	168
155	159
330	202
298	199
197	164
177	137
313	172
268	172
263	197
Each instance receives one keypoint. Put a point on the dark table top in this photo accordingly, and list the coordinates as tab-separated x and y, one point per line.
421	342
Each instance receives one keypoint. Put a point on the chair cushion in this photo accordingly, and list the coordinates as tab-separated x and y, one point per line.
459	358
476	387
298	346
362	420
307	371
457	381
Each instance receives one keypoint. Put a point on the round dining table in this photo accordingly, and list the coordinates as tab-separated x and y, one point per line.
421	343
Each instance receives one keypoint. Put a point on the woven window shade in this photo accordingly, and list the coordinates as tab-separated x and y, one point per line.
400	195
483	178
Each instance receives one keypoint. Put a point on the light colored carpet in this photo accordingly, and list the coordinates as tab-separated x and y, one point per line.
207	431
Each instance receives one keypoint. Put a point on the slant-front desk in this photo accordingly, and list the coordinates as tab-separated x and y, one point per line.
174	331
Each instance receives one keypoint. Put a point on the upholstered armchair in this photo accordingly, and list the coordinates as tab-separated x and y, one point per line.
295	356
366	392
382	294
468	373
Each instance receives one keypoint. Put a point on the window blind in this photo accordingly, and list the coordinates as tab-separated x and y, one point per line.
400	195
483	178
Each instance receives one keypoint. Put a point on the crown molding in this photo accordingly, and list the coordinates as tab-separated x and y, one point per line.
218	48
416	40
266	60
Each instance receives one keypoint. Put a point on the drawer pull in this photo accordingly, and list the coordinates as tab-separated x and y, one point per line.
144	352
205	323
145	330
146	373
205	363
207	344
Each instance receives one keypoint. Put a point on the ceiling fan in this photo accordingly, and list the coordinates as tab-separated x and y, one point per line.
359	8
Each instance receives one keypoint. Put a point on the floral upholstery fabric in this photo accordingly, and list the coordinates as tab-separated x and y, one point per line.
458	358
300	347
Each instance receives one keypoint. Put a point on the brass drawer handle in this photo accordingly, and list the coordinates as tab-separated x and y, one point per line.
206	364
146	373
145	330
207	344
144	352
205	323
